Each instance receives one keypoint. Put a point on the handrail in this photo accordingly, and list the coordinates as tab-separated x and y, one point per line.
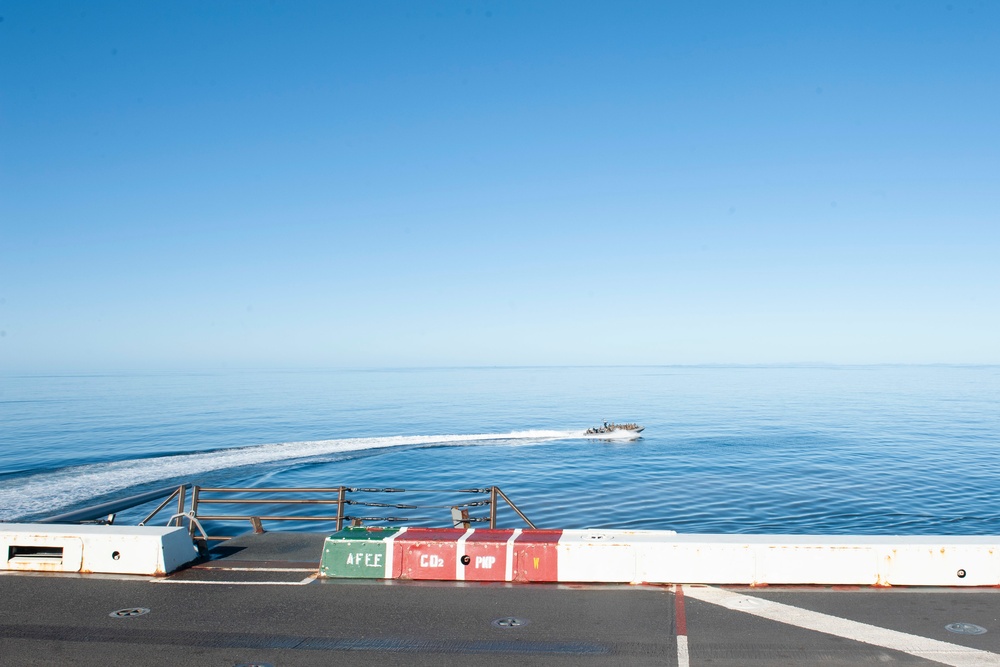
342	501
198	500
179	494
512	506
110	507
493	495
263	517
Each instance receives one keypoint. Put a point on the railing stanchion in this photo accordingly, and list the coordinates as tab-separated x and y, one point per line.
341	493
493	507
181	501
179	491
194	506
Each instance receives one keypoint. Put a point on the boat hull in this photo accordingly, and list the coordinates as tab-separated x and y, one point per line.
617	434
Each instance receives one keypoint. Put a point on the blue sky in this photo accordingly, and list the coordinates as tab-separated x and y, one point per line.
296	184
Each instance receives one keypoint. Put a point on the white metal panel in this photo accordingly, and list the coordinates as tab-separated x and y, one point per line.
596	555
702	562
13	542
832	563
936	563
178	550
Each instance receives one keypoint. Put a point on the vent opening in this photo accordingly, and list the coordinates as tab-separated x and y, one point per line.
34	552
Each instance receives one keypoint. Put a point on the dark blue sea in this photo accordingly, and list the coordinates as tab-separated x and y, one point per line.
836	450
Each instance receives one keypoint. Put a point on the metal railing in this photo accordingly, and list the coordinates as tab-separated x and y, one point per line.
360	498
179	493
231	496
476	505
109	509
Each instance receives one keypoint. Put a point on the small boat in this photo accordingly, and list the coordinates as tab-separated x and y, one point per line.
616	431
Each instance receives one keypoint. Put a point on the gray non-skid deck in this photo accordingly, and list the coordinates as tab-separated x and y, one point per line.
261	603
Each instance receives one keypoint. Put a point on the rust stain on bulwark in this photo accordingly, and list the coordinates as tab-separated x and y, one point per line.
39	566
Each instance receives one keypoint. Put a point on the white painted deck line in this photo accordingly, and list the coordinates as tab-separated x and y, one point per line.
680	628
915	645
256	569
683	658
307	580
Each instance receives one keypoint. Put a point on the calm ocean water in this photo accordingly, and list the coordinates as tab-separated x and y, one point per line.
840	450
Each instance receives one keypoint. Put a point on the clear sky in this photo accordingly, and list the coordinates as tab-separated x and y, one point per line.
327	184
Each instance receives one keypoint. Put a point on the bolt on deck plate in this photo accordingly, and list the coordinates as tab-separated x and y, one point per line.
128	613
510	622
965	628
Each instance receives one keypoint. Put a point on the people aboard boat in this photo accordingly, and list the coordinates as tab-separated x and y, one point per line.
609	427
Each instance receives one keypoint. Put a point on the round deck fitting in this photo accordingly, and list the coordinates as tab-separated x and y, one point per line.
129	613
965	628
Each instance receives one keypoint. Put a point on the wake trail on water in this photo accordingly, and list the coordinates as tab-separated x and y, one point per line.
51	491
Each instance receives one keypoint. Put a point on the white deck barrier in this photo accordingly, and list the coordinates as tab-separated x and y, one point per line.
149	550
660	557
651	557
584	556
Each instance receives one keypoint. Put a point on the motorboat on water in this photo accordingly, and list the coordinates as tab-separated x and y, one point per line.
613	430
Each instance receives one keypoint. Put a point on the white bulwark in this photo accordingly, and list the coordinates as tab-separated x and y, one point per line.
651	557
664	557
149	550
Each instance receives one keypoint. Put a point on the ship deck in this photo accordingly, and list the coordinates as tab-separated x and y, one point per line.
259	601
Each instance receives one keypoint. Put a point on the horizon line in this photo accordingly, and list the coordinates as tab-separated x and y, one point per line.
55	372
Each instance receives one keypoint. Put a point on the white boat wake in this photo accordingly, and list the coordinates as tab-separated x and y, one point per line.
50	492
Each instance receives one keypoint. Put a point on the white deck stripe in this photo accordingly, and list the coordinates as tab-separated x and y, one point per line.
390	552
508	574
680	628
255	569
923	647
683	659
459	552
307	580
